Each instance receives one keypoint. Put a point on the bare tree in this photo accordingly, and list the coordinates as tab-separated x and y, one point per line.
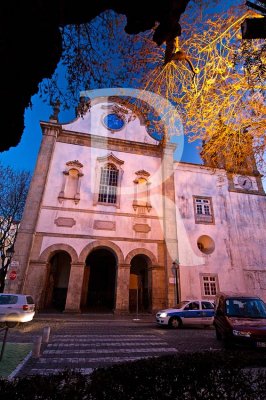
14	187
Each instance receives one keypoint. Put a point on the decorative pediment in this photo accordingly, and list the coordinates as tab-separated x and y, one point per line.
110	158
142	172
74	163
111	117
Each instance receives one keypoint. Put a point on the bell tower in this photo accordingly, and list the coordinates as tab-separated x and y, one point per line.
236	156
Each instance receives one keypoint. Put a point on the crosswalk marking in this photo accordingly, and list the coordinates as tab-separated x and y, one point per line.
81	360
111	351
84	351
74	339
97	344
109	336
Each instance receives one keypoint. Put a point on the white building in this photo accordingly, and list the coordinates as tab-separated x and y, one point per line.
109	211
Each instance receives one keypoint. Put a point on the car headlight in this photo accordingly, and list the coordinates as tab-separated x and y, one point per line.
241	333
163	315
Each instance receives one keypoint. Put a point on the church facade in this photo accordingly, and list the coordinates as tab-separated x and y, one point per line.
113	223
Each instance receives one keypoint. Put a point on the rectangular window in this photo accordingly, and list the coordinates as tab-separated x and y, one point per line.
209	284
203	210
108	185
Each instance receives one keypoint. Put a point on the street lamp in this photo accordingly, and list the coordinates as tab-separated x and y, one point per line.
6	260
175	271
255	28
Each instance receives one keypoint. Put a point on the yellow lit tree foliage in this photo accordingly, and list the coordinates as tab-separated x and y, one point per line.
220	99
215	79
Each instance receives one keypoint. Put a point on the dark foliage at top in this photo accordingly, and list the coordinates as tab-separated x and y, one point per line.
31	44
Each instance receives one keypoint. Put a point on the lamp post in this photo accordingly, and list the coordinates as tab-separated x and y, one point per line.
10	252
6	260
175	271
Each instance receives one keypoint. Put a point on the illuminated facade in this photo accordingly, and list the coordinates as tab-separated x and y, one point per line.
109	211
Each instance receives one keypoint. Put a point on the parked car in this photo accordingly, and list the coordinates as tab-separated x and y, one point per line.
189	312
240	320
16	308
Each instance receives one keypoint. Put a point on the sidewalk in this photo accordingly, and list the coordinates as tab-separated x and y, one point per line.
64	316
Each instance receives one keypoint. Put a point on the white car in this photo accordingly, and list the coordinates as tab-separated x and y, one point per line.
15	308
189	312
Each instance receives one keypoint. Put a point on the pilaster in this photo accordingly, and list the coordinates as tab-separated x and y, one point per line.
122	293
158	287
169	212
29	220
75	288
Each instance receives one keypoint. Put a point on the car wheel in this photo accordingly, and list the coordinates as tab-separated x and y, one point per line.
12	324
218	334
175	322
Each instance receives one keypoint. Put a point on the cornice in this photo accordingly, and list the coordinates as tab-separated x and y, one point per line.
98	237
99	212
110	143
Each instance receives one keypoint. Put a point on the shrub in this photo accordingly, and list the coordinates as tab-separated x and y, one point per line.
208	376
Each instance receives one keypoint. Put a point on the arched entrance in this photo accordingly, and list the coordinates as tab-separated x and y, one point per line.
57	283
99	281
139	285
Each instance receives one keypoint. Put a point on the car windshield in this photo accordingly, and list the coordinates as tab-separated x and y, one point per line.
245	308
181	304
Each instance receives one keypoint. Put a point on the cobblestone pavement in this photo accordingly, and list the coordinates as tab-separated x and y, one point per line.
86	344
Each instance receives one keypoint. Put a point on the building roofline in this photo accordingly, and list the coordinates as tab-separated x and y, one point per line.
202	166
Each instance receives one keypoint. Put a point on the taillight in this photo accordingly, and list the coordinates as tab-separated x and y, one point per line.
25	307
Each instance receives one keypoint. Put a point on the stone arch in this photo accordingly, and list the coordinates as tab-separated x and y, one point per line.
102	244
140	251
50	251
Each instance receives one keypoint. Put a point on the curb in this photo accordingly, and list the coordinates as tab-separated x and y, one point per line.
93	318
19	367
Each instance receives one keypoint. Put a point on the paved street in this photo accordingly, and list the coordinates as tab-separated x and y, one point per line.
87	343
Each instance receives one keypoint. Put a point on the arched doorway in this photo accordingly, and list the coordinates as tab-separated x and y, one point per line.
139	285
58	278
99	281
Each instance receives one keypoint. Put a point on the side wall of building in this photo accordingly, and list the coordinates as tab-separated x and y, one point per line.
236	258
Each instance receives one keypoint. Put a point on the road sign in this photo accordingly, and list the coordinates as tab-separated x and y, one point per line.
14	263
12	275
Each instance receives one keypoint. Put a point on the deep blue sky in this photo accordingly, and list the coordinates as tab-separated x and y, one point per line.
24	155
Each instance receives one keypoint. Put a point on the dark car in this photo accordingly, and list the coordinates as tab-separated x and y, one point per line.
240	320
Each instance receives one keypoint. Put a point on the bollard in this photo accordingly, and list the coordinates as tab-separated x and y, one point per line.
36	349
46	334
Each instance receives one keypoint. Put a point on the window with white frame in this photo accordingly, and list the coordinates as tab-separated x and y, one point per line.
108	176
203	210
209	284
108	184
